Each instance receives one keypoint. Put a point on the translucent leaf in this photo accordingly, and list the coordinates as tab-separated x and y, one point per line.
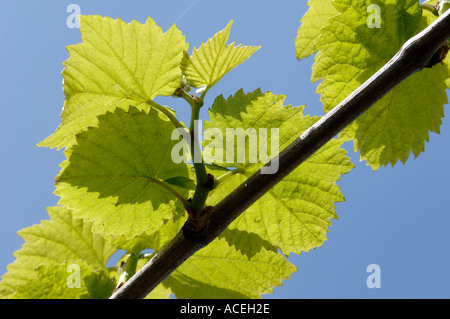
315	18
60	239
118	64
209	63
160	292
115	174
350	50
219	271
295	215
68	281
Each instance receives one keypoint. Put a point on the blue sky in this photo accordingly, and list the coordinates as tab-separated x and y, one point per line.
397	218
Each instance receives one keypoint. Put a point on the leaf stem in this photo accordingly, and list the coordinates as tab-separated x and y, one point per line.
166	112
202	189
177	124
227	175
191	99
430	8
185	203
202	97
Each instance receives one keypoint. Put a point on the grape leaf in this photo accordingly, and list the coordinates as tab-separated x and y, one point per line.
115	174
55	282
160	292
295	214
220	271
315	18
118	64
209	63
62	238
349	52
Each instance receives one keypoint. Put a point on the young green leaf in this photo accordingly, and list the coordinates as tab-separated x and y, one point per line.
62	238
118	64
116	174
314	19
68	281
295	214
209	63
160	292
350	50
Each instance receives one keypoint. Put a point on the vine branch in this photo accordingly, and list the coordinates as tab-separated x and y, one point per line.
422	51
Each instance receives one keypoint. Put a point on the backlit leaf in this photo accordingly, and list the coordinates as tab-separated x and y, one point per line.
209	63
295	215
118	64
58	240
116	174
